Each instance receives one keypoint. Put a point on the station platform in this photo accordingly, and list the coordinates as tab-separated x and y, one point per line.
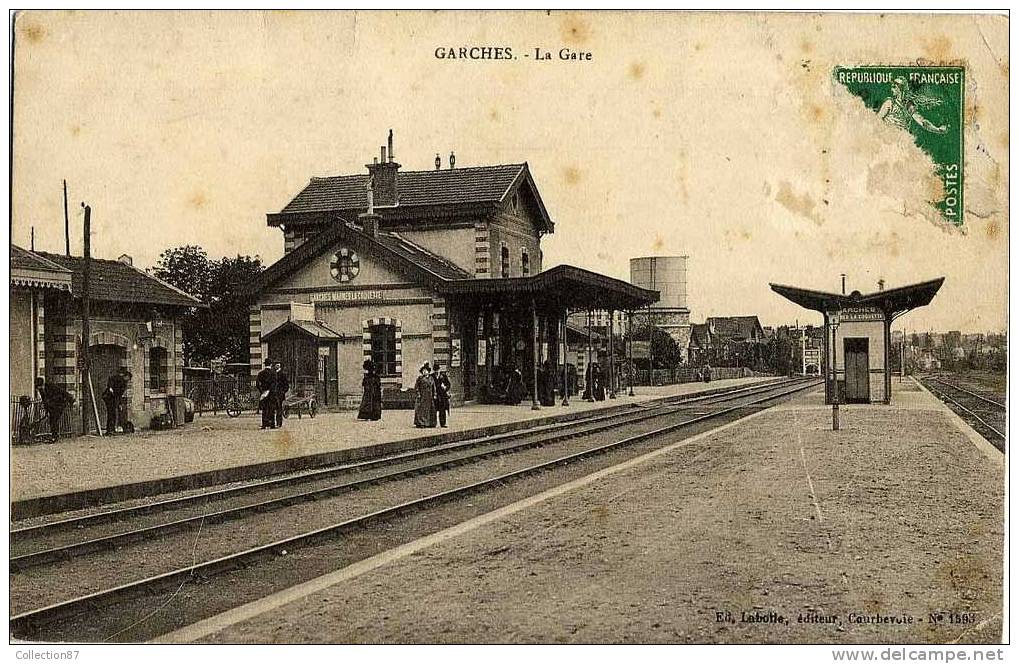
215	449
772	529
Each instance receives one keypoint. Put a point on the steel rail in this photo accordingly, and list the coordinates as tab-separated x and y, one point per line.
969	412
21	625
55	554
180	502
969	392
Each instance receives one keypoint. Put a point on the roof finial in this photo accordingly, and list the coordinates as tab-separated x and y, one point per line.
452	160
438	161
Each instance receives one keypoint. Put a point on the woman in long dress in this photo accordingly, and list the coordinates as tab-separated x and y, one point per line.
371	400
424	403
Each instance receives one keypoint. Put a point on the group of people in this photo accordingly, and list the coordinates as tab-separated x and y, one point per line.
432	400
431	403
273	384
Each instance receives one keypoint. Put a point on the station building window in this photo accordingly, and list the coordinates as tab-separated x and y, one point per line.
159	370
525	263
505	262
384	351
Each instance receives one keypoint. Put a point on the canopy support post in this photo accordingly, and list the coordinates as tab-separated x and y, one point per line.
629	336
535	351
612	353
588	371
566	364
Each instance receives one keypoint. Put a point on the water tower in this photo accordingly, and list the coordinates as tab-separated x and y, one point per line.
667	275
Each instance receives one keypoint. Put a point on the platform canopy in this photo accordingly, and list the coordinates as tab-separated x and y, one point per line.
894	302
558	288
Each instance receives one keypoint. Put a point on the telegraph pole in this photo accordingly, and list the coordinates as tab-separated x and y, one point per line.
67	225
86	364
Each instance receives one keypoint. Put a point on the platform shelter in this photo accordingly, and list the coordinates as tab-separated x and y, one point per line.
858	336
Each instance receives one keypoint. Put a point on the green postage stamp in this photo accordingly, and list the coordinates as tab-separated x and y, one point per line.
928	103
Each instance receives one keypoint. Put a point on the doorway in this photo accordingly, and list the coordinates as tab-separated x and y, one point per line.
857	359
106	360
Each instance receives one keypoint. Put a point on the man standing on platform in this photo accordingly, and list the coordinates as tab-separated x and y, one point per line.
442	388
280	387
264	383
113	398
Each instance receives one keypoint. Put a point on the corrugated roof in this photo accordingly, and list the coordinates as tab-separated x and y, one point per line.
119	282
477	184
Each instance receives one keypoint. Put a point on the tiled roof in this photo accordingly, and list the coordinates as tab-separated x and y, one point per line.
32	270
30	260
438	187
700	335
742	327
119	282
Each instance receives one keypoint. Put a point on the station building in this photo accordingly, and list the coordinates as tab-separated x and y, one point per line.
857	339
134	325
441	266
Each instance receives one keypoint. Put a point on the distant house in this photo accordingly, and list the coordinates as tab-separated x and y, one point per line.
724	340
699	350
134	325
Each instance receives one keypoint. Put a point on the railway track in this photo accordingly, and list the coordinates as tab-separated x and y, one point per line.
551	447
27	551
985	414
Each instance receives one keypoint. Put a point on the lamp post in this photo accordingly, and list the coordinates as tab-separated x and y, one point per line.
834	372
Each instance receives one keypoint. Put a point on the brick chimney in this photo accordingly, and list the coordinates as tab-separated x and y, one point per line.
384	177
369	223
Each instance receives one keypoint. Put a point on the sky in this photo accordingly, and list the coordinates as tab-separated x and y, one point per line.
718	136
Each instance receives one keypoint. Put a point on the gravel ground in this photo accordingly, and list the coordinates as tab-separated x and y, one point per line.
897	516
213	442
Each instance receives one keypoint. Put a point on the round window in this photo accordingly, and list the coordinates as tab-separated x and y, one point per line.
344	265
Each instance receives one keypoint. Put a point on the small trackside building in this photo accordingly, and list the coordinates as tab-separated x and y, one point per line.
858	336
135	325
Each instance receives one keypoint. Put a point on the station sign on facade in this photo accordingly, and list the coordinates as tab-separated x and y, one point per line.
859	315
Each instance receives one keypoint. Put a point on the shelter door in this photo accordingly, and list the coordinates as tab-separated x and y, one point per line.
857	354
328	376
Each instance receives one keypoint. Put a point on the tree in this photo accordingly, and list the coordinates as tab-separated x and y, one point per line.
219	331
665	351
188	268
